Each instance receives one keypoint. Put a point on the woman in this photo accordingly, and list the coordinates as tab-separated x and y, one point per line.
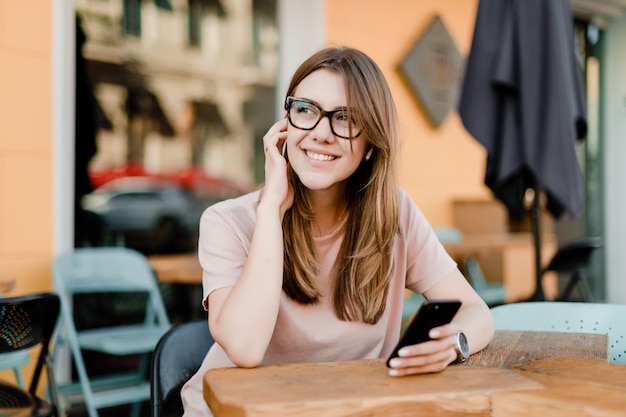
313	267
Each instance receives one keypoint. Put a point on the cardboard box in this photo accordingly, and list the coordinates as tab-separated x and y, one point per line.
525	224
480	217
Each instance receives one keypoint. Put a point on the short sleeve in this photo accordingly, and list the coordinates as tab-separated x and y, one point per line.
225	234
427	261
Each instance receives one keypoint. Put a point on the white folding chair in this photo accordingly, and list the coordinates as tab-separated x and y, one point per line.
104	271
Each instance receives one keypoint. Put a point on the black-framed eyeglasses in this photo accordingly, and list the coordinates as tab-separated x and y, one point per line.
306	114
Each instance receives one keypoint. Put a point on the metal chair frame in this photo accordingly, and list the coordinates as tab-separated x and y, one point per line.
107	270
573	258
27	322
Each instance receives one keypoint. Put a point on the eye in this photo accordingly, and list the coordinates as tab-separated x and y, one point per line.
304	108
342	116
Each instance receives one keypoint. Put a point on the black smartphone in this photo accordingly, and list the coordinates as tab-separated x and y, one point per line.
432	313
284	151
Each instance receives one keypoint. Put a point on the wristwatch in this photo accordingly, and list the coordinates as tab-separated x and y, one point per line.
461	348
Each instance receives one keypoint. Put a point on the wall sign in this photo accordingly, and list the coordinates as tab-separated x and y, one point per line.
432	70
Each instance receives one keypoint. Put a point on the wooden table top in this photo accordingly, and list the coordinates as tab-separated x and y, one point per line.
516	348
516	375
181	268
572	387
477	242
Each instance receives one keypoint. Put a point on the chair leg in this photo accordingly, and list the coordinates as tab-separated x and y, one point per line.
577	279
135	410
53	390
18	377
144	362
585	290
573	281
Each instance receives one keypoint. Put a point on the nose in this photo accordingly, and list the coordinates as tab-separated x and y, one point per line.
323	130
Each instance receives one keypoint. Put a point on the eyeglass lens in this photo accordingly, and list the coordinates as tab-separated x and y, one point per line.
305	115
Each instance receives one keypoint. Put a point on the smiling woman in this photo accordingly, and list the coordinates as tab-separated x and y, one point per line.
330	241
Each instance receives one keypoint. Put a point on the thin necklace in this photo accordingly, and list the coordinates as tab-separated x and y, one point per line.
337	224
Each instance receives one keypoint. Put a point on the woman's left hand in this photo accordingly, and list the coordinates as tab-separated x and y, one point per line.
427	357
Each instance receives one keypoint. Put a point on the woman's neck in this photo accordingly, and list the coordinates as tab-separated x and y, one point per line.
330	212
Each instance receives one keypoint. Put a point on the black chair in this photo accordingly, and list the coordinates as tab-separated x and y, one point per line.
26	322
177	356
573	258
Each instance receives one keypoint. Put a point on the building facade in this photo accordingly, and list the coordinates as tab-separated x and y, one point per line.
37	82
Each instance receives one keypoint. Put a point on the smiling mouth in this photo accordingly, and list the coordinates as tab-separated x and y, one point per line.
320	157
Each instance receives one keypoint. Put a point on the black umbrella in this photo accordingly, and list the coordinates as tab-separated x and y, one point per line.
523	99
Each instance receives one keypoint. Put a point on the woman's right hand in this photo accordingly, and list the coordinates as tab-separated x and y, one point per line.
277	187
242	318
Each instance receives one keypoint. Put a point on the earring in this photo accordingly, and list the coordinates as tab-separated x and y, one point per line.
369	154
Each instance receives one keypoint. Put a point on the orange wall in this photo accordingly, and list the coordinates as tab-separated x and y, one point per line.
26	144
437	165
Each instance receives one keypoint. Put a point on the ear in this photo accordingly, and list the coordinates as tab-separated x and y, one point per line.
369	153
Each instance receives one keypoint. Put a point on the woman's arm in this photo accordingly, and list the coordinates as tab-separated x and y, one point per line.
242	317
473	318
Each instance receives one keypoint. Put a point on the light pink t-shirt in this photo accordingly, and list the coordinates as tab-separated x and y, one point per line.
312	333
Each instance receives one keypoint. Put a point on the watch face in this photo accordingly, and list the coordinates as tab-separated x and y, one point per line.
463	345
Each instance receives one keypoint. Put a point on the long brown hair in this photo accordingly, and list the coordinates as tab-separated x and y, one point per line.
365	262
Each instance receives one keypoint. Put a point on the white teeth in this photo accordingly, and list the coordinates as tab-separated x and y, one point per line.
320	157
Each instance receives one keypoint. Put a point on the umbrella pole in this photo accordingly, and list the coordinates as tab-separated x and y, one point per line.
536	221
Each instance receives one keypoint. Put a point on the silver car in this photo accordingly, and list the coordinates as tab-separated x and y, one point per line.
148	214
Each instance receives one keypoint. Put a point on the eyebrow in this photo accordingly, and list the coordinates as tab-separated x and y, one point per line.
320	106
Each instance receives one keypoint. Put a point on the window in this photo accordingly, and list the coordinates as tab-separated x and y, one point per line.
132	17
194	27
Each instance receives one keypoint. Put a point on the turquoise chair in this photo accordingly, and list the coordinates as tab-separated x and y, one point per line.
15	361
561	316
492	293
448	234
412	303
106	271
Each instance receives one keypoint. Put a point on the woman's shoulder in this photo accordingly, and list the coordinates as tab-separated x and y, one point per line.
243	206
406	204
410	214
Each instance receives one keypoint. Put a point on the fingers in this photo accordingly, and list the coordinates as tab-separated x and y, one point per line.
274	138
277	189
432	356
436	360
450	329
422	365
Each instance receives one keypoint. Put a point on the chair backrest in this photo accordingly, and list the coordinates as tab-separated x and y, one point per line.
448	234
475	272
574	255
107	270
177	356
28	321
575	317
